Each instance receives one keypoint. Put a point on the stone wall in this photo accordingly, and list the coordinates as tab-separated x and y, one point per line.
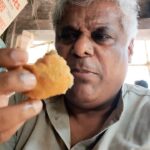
36	15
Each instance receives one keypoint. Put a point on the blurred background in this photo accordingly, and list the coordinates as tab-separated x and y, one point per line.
139	68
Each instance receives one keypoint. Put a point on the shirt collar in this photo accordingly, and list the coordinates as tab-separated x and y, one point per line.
59	117
116	111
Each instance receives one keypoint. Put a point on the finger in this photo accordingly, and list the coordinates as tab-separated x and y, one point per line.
13	115
12	57
4	99
6	135
17	80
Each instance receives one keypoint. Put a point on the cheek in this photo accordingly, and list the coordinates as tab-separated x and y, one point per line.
113	61
119	63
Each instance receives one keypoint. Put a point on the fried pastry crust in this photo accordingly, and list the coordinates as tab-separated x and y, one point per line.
53	76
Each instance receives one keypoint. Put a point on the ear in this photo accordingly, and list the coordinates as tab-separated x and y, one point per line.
130	50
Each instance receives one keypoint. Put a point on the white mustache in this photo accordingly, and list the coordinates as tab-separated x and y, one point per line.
86	66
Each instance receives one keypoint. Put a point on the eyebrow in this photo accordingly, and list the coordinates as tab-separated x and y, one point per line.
105	29
101	29
69	28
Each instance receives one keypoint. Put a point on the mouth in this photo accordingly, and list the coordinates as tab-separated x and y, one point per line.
82	73
81	70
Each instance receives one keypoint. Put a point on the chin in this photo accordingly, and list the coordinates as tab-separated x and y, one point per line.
81	96
83	102
90	96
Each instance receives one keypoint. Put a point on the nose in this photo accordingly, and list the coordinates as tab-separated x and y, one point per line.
83	47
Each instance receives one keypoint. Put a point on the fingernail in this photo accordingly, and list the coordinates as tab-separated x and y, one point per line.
37	106
28	79
34	105
19	56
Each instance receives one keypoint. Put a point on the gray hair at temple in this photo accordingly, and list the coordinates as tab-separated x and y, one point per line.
129	8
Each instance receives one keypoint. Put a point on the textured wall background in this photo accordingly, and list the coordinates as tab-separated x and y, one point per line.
37	15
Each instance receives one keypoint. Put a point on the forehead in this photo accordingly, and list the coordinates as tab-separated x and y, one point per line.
98	12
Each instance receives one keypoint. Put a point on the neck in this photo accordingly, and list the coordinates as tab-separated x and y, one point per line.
91	120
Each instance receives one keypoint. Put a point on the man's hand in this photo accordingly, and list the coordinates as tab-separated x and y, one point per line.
15	79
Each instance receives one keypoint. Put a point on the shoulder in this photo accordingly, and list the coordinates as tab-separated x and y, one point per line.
135	94
136	104
136	101
132	130
135	89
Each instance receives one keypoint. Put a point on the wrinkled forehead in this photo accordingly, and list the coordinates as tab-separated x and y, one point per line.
97	11
88	2
81	2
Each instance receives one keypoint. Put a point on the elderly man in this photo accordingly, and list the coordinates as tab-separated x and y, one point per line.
98	112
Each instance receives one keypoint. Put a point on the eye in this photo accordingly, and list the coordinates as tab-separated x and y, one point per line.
69	36
100	37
